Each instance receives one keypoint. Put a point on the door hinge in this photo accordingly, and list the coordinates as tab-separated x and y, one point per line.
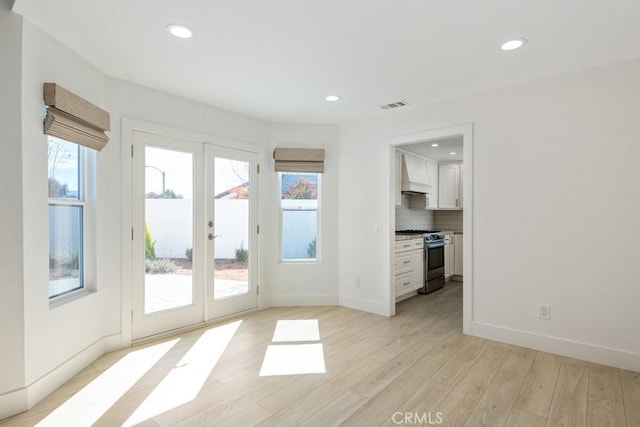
132	315
258	229
131	150
132	234
258	168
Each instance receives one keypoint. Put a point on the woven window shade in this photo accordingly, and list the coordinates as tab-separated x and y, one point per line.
74	119
299	159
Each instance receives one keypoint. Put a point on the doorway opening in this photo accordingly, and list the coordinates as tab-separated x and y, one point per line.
445	205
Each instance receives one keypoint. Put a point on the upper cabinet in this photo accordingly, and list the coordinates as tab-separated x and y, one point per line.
450	186
430	185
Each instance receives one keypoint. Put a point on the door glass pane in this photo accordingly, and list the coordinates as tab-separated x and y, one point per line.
168	229
65	249
231	228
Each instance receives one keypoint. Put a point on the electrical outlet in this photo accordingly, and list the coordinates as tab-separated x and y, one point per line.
357	282
544	311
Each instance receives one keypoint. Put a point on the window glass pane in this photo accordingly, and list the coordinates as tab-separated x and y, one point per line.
65	249
299	234
64	169
299	186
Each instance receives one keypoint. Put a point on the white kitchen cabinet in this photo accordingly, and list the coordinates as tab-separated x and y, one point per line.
449	186
398	179
448	256
457	256
409	266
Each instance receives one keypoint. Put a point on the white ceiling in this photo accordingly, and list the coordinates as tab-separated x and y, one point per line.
440	153
278	59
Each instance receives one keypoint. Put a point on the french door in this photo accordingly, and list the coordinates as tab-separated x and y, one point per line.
195	233
232	234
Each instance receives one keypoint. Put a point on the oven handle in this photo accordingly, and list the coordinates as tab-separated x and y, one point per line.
435	245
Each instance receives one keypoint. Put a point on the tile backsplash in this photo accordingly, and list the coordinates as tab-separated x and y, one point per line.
445	220
412	219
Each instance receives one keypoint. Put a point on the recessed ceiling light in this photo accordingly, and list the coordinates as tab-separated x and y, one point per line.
332	98
435	145
513	44
180	31
453	153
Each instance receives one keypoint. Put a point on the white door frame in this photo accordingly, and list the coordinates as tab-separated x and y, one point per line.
126	220
466	131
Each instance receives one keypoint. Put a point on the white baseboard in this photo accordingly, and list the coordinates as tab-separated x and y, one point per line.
26	398
13	403
296	300
579	350
362	304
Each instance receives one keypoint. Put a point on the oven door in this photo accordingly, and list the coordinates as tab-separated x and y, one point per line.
435	260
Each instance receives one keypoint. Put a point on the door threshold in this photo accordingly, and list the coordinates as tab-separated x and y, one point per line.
184	329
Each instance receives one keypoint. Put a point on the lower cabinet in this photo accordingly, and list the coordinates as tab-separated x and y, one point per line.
409	266
448	256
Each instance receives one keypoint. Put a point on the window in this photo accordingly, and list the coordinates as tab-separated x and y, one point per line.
299	195
67	216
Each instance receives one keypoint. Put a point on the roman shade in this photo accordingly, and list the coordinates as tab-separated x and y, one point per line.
299	159
74	119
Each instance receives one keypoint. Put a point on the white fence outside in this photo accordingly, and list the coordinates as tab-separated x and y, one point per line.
170	223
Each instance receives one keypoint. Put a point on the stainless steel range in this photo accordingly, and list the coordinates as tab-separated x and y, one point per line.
433	258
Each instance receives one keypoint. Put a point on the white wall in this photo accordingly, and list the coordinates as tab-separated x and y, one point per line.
11	253
281	285
303	283
557	157
53	335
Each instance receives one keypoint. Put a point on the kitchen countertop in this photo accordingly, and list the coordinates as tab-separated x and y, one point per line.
400	237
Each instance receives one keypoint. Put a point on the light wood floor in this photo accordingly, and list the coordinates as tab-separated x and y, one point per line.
417	365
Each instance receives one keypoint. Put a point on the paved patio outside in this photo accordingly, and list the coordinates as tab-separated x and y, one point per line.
166	291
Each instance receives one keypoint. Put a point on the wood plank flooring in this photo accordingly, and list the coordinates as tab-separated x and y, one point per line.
416	368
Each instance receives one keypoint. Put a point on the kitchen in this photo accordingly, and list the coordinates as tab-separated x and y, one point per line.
428	243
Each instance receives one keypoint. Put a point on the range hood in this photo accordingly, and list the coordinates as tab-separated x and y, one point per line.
415	179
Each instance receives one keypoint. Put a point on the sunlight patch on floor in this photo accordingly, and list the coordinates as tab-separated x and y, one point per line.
89	404
183	383
296	331
293	359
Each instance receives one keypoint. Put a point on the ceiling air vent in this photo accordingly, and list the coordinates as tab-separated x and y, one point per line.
393	105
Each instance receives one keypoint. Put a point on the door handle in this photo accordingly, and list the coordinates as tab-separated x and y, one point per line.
212	236
210	224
